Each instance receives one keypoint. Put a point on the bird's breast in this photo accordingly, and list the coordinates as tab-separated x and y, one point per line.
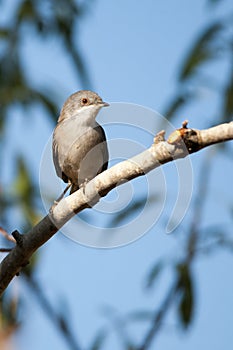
80	149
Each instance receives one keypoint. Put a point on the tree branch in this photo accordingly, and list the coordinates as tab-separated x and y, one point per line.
179	144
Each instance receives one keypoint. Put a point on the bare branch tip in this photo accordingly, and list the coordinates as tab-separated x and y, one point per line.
5	250
159	137
184	124
18	238
174	137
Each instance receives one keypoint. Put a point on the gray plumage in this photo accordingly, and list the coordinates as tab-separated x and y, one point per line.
79	144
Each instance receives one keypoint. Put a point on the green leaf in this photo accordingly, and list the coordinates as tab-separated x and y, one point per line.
2	119
25	192
204	49
228	101
4	33
8	311
186	302
22	183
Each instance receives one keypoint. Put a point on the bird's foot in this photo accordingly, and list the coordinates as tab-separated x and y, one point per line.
60	197
83	185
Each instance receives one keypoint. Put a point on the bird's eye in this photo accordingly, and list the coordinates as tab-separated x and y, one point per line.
84	101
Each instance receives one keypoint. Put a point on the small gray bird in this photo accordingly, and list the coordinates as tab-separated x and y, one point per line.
79	143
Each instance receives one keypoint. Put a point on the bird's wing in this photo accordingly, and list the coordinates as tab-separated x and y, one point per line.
58	169
104	147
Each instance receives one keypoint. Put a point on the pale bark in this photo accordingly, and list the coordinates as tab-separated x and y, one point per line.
179	144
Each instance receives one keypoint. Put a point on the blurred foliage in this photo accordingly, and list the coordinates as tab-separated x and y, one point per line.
98	341
228	100
46	19
204	50
132	209
119	327
25	193
60	19
182	98
213	45
9	309
214	2
154	273
186	300
8	319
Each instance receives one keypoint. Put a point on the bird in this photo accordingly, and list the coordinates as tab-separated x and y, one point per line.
79	145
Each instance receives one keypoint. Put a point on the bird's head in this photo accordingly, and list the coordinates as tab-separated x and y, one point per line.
83	104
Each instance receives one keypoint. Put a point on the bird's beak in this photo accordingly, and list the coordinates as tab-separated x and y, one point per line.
105	104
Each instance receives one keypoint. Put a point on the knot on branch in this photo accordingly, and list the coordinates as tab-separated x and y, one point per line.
187	136
18	237
159	137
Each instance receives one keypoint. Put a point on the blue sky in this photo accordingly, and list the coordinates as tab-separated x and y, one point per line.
133	51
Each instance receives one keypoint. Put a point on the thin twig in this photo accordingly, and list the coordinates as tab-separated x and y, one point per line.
199	203
192	242
58	320
6	235
159	316
5	250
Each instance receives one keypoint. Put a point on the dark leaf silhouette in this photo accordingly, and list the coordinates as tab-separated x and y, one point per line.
204	49
177	103
228	101
186	301
4	33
